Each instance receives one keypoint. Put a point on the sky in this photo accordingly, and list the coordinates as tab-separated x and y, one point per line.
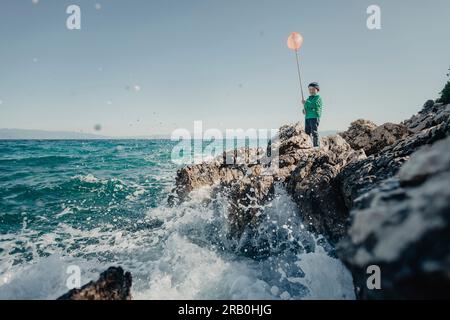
140	67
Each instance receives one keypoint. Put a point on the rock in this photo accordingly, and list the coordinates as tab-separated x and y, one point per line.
324	183
431	115
113	284
361	176
381	192
403	226
292	142
312	186
194	177
247	198
231	166
427	162
289	131
427	106
385	135
364	134
358	134
247	183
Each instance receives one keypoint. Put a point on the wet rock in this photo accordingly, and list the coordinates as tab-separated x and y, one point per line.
380	191
193	177
113	284
245	176
324	183
247	198
403	226
231	166
313	186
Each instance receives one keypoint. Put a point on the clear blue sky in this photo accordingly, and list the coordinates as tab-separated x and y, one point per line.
221	61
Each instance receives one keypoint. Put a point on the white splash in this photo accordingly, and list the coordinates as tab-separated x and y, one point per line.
181	253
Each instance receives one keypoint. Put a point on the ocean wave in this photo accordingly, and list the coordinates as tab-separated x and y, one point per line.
89	178
111	209
188	256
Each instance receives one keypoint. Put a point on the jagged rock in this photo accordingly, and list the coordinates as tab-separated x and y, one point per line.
289	131
113	284
431	115
358	134
428	105
312	186
247	196
245	182
324	182
399	207
361	176
292	142
385	135
403	226
428	161
231	166
366	135
193	177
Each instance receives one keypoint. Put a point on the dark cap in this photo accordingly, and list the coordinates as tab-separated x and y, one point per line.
314	85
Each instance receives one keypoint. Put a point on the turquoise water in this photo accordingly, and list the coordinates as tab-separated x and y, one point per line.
94	204
84	183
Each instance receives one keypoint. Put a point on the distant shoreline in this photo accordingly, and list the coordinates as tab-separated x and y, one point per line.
42	135
75	139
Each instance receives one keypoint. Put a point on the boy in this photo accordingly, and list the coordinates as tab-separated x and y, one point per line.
313	111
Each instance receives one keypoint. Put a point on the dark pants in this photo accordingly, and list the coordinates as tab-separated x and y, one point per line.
312	129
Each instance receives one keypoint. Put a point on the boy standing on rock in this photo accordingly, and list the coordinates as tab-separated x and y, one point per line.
312	109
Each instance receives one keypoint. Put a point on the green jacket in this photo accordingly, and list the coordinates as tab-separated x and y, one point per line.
313	107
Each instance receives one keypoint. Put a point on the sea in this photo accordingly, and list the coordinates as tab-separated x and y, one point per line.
87	205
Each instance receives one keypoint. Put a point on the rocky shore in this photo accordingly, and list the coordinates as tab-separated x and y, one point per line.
379	194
